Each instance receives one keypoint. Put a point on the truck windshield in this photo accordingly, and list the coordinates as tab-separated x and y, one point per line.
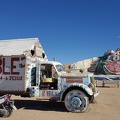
60	68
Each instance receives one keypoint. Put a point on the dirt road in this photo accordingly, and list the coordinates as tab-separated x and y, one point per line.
105	107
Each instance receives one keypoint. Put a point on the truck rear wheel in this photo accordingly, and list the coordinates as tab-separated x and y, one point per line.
76	101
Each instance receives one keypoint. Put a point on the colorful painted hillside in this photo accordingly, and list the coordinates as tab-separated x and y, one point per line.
108	64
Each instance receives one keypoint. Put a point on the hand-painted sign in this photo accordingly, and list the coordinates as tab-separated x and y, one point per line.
11	68
12	73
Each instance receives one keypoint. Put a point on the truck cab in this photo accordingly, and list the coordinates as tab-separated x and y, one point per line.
49	74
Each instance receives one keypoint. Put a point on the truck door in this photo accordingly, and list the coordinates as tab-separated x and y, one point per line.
47	79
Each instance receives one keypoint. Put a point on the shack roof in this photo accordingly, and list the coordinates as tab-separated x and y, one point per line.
18	46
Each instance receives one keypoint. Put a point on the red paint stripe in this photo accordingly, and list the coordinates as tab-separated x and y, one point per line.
73	80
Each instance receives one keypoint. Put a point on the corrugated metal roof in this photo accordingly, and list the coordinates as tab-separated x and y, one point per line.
16	46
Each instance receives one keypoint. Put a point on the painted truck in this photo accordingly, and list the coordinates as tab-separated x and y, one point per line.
32	76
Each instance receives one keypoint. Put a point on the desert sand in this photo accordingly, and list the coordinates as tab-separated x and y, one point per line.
105	107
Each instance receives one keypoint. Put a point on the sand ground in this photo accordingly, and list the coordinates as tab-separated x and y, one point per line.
105	107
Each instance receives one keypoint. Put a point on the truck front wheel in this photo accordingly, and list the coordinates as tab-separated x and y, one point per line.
76	101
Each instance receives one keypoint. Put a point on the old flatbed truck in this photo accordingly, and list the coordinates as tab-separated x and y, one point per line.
32	76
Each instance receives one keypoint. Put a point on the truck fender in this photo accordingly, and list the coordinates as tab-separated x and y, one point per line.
81	87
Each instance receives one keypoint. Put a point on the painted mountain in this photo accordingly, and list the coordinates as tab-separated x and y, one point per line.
108	64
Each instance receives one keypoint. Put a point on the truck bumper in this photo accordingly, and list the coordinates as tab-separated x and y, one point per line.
96	94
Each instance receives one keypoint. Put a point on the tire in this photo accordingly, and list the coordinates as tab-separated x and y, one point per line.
76	101
9	111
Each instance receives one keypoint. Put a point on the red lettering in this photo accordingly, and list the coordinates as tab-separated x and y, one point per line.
13	66
43	93
0	65
0	61
21	78
9	67
4	72
1	78
15	78
10	77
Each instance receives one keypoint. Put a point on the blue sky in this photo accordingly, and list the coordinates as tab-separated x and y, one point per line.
69	30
